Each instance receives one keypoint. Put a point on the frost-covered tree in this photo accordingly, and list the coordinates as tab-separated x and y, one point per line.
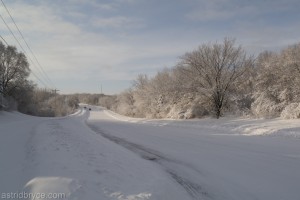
291	58
143	96
73	101
213	70
108	101
277	87
124	103
14	69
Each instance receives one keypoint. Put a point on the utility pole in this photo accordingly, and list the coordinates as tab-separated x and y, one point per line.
55	91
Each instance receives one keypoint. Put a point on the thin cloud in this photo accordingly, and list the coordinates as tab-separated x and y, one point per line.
223	10
40	19
219	10
117	22
75	42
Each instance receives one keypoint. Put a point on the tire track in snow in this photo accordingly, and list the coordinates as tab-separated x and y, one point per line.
195	190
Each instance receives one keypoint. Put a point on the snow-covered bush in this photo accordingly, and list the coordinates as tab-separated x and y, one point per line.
46	103
267	107
292	111
107	101
277	88
240	105
188	106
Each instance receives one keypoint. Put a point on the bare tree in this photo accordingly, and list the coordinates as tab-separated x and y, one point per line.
14	69
293	56
213	70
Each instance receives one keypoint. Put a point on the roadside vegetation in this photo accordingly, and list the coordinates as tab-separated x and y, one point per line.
18	93
216	79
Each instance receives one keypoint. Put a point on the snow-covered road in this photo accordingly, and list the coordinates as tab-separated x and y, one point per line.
100	155
64	157
210	163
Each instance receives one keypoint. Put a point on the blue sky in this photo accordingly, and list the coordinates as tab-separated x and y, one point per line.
82	44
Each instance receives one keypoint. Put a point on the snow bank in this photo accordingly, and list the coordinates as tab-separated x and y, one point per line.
229	125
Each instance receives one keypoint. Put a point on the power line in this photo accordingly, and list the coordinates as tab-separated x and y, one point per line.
4	40
39	79
32	71
21	48
43	71
40	66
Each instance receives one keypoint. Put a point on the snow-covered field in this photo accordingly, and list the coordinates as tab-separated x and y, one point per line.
98	154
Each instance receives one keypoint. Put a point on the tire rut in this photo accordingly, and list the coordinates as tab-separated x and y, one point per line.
195	190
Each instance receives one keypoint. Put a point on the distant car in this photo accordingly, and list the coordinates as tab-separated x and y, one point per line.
90	109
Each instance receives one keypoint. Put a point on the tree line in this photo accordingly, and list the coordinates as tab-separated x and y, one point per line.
217	79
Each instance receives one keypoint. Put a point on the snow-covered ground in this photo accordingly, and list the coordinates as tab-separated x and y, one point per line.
98	154
240	126
62	155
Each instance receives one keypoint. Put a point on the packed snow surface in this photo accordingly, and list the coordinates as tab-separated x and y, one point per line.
98	154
